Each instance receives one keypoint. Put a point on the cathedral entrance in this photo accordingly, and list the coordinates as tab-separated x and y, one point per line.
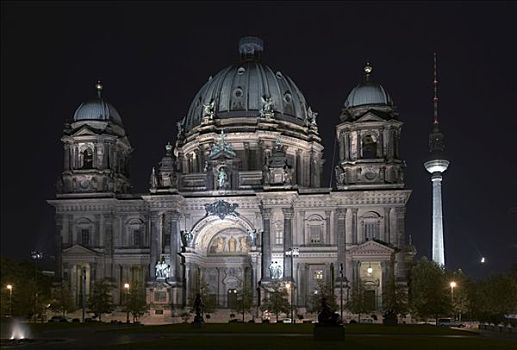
222	254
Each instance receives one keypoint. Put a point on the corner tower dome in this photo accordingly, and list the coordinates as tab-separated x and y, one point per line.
242	89
97	109
368	93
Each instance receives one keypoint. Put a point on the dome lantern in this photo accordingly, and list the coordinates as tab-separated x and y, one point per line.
251	48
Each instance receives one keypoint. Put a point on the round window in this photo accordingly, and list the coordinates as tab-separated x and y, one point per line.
237	92
287	97
241	70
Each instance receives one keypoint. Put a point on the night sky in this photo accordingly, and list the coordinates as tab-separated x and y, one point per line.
152	58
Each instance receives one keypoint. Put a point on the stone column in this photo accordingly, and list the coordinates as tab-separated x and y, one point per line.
66	163
340	235
246	166
387	225
188	282
108	245
347	147
155	248
266	242
288	240
354	226
301	236
342	141
327	225
174	245
299	167
95	239
70	224
355	272
312	169
199	160
380	144
260	156
400	214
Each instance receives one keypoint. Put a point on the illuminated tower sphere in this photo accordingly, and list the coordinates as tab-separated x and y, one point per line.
436	165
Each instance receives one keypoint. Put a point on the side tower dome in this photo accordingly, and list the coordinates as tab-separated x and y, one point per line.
97	109
250	113
97	151
367	95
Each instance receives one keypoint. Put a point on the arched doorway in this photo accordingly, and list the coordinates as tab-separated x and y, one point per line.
232	298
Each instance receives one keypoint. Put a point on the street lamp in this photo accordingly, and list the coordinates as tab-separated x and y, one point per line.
10	288
347	287
292	252
36	256
341	290
126	287
83	292
453	285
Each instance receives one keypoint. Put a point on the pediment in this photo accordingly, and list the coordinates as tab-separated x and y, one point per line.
372	248
85	130
370	117
79	250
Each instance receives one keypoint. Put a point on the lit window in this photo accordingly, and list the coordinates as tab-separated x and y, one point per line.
318	274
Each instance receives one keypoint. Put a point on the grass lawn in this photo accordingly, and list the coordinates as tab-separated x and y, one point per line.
299	343
263	336
247	336
289	328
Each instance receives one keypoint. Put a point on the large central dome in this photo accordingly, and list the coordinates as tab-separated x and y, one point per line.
242	90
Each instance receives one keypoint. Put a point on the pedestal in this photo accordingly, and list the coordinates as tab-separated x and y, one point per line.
159	298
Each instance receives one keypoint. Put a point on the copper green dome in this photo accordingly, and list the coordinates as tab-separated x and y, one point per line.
241	90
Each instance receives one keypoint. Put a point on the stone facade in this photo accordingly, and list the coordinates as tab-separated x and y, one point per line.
239	189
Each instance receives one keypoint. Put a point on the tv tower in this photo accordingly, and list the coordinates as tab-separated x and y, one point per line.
436	165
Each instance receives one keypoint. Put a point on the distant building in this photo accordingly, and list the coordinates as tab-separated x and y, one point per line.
240	188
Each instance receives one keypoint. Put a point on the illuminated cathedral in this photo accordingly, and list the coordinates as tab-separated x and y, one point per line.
237	200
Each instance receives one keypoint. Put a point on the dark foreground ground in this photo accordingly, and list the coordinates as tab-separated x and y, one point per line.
254	336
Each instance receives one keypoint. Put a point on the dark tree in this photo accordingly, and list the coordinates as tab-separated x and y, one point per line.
359	303
62	300
101	300
244	301
136	303
323	291
429	290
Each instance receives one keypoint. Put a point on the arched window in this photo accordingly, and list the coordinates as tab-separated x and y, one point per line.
369	146
135	230
315	227
87	159
85	232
